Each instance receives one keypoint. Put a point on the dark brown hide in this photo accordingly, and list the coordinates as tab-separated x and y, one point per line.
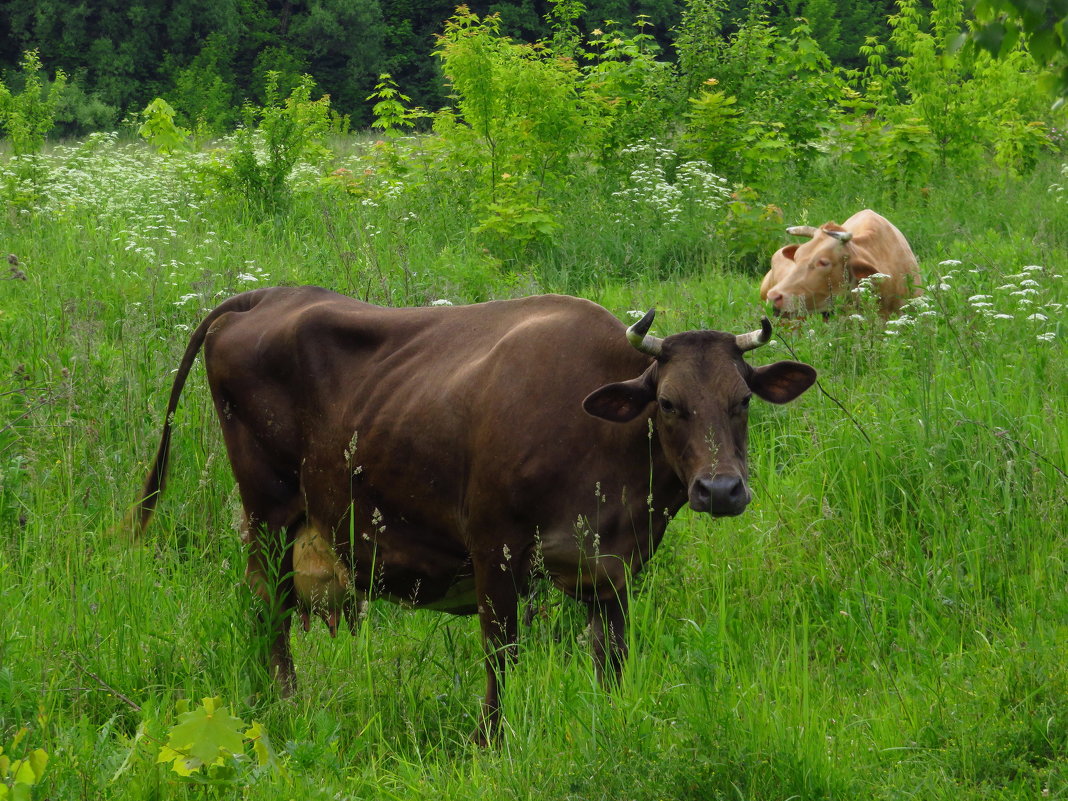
448	450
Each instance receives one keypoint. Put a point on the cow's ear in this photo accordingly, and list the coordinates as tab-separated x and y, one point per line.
789	251
622	402
861	270
782	382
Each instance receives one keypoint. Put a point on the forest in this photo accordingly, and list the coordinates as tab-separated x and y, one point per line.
206	58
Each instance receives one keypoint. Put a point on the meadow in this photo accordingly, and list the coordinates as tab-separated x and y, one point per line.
888	620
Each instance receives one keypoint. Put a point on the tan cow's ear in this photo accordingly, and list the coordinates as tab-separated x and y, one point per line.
622	402
861	270
789	251
782	382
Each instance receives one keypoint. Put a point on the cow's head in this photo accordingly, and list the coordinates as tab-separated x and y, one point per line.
810	275
702	386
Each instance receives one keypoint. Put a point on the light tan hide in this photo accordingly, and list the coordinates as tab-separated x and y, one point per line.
806	278
321	581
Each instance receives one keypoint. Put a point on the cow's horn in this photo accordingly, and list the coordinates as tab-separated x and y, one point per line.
754	339
638	335
801	230
841	236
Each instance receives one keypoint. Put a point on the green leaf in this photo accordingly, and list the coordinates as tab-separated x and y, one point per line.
23	772
1012	36
1043	46
38	758
989	37
130	756
182	764
260	743
204	736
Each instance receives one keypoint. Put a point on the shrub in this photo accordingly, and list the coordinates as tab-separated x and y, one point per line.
158	129
29	115
521	116
272	140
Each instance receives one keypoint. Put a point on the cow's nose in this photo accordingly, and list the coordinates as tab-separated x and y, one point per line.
720	496
776	299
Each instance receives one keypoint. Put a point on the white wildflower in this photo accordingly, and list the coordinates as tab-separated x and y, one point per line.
441	302
974	298
1039	317
1049	336
949	263
920	302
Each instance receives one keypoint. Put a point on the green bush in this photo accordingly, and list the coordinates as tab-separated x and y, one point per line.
27	116
273	140
203	92
79	113
158	128
521	116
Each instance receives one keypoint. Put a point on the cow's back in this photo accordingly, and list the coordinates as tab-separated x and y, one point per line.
879	242
428	428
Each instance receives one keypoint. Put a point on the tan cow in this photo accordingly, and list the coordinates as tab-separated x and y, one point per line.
806	278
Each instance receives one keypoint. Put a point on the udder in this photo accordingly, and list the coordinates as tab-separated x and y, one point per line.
322	581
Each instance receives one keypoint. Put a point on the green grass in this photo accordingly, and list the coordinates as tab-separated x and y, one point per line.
888	620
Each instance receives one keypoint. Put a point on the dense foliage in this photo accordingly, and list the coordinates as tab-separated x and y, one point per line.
206	58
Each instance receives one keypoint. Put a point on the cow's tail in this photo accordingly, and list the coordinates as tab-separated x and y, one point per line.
140	514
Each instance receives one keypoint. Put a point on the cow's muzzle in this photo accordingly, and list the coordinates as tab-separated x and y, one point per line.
720	496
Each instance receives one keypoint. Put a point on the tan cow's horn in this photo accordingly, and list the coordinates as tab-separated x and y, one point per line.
802	230
841	236
638	335
754	339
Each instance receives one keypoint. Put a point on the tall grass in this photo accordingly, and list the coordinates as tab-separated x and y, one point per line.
889	619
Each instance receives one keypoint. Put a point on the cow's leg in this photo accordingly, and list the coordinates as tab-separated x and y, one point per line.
274	512
608	635
269	574
498	608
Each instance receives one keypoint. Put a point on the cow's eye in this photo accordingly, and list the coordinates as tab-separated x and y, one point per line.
667	407
743	406
825	262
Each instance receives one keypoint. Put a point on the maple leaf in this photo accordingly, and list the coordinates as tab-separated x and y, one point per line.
203	736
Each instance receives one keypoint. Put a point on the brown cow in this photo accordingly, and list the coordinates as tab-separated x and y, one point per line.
806	278
437	456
